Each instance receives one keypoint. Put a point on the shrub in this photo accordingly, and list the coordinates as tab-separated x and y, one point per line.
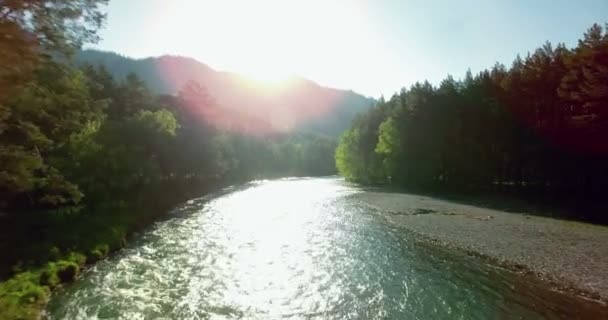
22	297
98	252
54	253
119	237
33	293
77	258
48	277
67	271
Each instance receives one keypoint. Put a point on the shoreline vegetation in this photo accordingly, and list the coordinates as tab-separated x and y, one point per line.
535	130
87	158
569	256
71	242
71	194
538	127
24	294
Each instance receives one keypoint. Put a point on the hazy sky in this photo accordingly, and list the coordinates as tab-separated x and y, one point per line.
373	47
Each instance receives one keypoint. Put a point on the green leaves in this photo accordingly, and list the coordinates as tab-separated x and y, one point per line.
586	83
540	124
388	138
346	155
153	123
42	118
34	30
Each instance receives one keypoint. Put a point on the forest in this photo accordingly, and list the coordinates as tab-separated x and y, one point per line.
539	127
86	158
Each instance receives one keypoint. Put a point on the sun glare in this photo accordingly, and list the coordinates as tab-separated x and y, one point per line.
269	40
267	77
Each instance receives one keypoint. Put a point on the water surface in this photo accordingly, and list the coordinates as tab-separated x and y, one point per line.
298	249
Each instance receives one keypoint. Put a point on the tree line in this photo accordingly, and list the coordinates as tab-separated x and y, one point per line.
539	125
86	158
77	144
79	136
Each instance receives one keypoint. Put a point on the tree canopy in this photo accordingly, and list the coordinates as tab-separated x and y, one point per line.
539	124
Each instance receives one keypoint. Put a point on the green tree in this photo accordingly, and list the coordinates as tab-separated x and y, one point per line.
43	117
537	126
33	29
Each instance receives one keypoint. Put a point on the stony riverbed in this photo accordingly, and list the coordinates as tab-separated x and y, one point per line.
571	255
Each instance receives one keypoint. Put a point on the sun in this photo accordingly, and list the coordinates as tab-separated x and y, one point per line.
270	40
266	74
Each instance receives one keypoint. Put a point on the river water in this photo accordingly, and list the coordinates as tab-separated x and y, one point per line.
297	249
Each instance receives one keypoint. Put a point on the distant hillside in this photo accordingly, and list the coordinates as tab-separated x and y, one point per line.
296	103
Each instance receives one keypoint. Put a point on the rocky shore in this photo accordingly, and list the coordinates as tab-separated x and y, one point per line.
572	256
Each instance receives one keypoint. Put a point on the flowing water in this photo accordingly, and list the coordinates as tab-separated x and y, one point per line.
297	249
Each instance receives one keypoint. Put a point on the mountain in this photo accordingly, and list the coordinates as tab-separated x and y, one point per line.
293	104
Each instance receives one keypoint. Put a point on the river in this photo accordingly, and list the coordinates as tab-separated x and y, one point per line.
297	249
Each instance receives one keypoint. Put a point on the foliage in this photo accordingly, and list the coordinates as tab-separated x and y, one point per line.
34	30
44	115
22	296
87	159
98	252
540	125
355	156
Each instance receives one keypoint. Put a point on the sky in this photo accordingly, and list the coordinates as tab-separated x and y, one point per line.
374	47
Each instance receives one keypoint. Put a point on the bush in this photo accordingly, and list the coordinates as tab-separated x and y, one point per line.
22	297
33	293
60	272
48	277
54	253
118	237
98	252
67	271
77	258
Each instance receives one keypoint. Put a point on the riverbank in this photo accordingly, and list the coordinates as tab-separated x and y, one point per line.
571	256
42	259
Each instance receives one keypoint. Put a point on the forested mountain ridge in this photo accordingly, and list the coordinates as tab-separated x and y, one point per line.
295	103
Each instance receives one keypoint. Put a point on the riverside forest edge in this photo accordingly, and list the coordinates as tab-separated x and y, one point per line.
133	155
88	159
538	129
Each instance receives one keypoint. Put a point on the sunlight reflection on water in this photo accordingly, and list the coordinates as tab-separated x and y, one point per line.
295	249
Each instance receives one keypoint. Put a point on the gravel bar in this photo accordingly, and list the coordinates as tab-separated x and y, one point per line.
570	255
